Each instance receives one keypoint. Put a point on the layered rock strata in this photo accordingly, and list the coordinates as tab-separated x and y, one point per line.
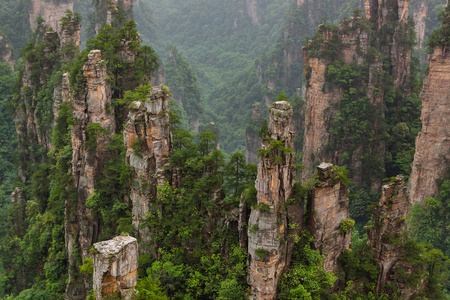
50	10
115	267
322	98
268	222
389	226
148	140
329	209
389	22
94	124
433	142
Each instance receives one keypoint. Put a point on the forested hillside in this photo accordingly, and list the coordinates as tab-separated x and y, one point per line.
113	186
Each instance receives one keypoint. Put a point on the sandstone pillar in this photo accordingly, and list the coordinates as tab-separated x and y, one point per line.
115	267
267	242
389	225
329	209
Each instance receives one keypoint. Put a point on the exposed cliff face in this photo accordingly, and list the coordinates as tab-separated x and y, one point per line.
51	11
419	15
389	227
268	221
329	207
6	51
94	125
323	97
253	141
115	267
148	140
433	142
360	45
113	13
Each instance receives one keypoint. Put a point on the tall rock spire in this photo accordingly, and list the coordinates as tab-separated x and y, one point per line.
268	223
148	140
433	142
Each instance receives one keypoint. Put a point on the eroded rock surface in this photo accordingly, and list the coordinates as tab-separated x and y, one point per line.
268	221
329	207
433	142
6	51
389	225
91	132
148	140
51	11
115	267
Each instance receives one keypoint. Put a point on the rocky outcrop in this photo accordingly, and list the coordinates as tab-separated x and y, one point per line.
148	140
115	267
6	53
113	13
391	34
253	141
330	222
50	10
419	16
267	246
94	124
322	97
389	226
433	142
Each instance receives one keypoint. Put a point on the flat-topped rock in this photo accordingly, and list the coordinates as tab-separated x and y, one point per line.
115	267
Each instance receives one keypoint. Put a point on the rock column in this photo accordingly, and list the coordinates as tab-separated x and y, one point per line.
386	233
267	246
94	124
115	267
329	208
433	142
148	140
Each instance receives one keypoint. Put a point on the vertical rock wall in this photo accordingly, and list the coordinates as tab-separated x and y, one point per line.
328	207
148	140
268	221
322	98
51	11
115	267
389	225
433	142
93	115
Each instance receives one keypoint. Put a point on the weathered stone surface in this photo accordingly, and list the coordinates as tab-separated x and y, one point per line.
419	16
328	207
268	222
91	107
389	225
51	11
148	140
433	142
322	99
115	267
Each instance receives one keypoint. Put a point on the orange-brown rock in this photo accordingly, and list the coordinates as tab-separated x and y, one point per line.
322	98
267	247
115	267
433	142
90	108
329	207
148	140
419	15
389	226
51	11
